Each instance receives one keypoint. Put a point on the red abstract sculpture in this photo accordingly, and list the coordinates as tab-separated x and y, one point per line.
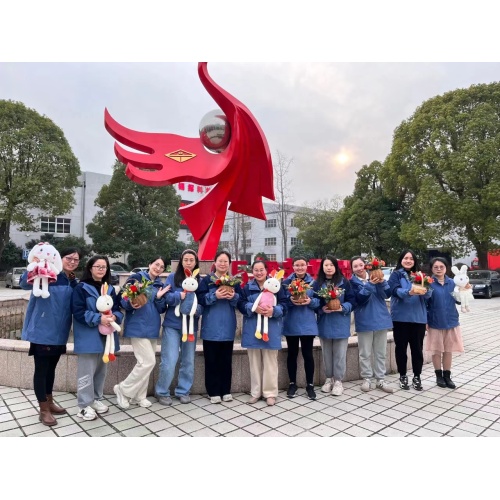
240	175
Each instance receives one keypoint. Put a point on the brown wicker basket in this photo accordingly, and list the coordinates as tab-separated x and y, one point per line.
333	304
377	274
140	300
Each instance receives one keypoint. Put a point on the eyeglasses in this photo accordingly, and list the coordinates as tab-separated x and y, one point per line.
100	268
70	259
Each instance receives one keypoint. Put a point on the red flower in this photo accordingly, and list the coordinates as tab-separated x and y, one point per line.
133	288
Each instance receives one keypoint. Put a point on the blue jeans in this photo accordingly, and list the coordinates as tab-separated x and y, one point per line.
170	345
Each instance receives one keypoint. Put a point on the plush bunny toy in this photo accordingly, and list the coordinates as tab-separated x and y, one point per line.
104	304
267	298
187	307
463	294
44	265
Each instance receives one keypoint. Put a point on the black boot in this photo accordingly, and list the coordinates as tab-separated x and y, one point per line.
447	379
439	378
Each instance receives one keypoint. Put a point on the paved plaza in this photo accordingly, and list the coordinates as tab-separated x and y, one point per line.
473	409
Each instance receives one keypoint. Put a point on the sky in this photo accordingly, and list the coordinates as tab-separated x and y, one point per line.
330	118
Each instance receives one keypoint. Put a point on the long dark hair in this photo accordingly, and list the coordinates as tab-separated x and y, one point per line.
416	266
338	275
179	275
87	272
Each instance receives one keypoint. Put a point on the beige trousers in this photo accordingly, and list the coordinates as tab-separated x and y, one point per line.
263	372
136	384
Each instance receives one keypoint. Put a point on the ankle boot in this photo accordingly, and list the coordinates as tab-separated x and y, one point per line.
439	378
54	408
45	416
447	379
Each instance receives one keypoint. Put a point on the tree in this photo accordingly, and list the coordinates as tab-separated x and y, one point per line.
38	170
301	251
315	226
444	168
283	194
142	221
241	235
369	223
12	256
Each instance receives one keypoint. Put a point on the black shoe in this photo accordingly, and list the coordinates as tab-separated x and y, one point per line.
310	391
447	379
403	383
439	378
292	390
416	383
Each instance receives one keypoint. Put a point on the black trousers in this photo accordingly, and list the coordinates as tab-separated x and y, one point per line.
45	373
306	344
413	334
218	366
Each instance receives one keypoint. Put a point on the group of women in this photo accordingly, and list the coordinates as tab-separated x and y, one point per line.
48	322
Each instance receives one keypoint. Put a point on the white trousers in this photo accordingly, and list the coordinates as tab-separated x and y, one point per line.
136	384
263	372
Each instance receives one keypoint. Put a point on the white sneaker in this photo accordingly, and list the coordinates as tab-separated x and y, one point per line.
87	413
366	385
215	399
384	386
99	406
121	398
338	389
143	403
327	386
227	397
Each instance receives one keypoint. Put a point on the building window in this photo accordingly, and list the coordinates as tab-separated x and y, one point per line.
294	241
224	244
225	228
247	242
55	225
269	242
292	222
271	256
246	226
271	223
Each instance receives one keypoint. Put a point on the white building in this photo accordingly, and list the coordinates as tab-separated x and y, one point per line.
261	236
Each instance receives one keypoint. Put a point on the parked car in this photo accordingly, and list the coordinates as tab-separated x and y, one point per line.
114	278
387	272
118	268
13	276
484	283
139	269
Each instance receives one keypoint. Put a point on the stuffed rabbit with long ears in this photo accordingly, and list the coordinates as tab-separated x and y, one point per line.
267	298
188	306
103	305
463	291
44	265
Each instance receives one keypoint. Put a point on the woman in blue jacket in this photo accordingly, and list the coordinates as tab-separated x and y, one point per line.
300	324
46	326
334	327
372	320
218	328
142	326
262	355
409	317
89	343
171	343
443	328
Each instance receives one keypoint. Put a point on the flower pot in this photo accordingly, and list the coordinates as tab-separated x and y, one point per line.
377	273
419	289
226	288
333	304
299	297
139	300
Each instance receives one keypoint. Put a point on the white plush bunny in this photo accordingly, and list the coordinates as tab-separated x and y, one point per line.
462	292
267	298
104	305
44	265
189	304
